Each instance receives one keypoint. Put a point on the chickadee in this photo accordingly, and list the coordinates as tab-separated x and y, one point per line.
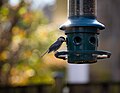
55	46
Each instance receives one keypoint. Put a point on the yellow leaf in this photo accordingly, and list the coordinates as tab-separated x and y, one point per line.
22	11
4	55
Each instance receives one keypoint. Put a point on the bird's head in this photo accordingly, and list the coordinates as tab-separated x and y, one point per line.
62	39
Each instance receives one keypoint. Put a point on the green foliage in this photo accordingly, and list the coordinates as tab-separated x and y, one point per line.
29	36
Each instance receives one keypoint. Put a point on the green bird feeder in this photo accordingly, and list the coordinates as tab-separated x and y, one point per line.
82	31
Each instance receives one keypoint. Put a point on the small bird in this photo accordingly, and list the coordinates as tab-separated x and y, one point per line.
55	46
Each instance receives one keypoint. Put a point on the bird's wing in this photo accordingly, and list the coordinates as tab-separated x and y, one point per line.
55	46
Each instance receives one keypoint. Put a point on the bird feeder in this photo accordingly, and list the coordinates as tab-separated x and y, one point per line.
82	31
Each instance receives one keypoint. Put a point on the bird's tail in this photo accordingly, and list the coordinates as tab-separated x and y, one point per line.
44	53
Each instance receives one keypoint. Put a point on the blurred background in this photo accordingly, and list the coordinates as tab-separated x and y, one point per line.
29	27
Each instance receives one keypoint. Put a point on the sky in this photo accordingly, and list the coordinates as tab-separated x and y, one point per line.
36	3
